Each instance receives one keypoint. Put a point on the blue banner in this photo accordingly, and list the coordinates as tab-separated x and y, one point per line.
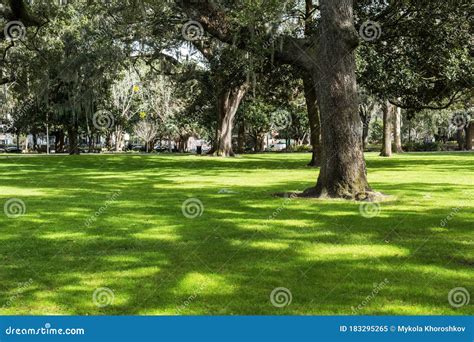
237	328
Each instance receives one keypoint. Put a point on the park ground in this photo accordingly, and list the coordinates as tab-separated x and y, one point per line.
116	222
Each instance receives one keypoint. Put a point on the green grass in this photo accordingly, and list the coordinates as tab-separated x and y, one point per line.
228	260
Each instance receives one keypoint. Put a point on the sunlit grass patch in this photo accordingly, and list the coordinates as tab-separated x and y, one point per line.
117	222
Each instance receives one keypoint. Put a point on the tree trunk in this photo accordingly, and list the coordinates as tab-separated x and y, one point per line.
343	169
228	103
387	130
310	93
259	142
397	130
460	139
469	136
119	139
241	138
365	117
73	140
35	141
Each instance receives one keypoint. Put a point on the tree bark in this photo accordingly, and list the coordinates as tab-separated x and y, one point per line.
397	130
469	136
310	93
365	117
343	169
73	140
241	138
387	130
228	103
460	139
119	139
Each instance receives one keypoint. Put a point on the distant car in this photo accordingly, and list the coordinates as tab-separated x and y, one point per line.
2	150
277	147
138	148
13	150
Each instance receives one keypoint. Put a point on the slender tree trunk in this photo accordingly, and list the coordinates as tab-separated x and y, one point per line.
460	139
259	142
241	138
343	169
387	130
35	141
311	97
469	136
228	103
118	139
365	117
397	130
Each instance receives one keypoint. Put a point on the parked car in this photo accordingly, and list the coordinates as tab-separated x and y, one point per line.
138	148
13	149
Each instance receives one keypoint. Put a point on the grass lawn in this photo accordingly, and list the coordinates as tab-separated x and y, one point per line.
116	222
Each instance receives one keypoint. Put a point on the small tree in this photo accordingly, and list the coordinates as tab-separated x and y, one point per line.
147	130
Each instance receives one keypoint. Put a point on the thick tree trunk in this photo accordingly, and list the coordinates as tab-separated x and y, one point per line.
387	130
310	93
343	169
59	141
397	130
73	140
228	103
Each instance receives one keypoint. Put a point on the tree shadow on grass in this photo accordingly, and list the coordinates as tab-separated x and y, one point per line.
229	260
